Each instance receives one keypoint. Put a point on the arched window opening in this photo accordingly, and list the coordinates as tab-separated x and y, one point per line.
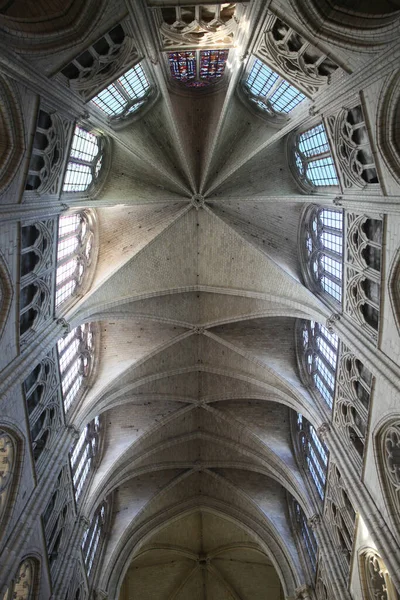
91	542
43	401
313	159
324	250
58	519
320	349
340	515
76	588
306	534
125	95
389	458
354	384
8	468
269	91
75	240
321	586
24	584
197	68
83	455
376	579
85	161
314	453
75	356
36	276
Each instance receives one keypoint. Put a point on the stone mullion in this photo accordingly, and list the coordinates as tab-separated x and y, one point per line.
66	572
363	503
36	505
18	69
328	552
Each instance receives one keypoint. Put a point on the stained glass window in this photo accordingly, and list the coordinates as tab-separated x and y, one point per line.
73	254
270	91
83	454
23	585
315	453
7	470
324	247
196	68
84	162
313	157
92	536
321	351
125	95
75	353
306	533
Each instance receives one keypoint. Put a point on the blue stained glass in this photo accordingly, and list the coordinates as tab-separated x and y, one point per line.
182	66
212	64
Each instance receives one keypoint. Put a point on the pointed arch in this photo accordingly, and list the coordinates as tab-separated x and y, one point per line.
25	583
12	136
387	452
10	449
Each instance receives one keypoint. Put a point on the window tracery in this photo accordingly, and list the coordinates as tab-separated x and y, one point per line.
314	453
43	401
354	385
306	533
75	356
320	350
24	584
389	458
322	589
340	515
37	276
125	95
271	92
85	161
83	454
376	578
314	165
91	541
200	25
353	148
102	61
324	250
58	519
45	167
197	69
291	54
77	588
75	240
8	464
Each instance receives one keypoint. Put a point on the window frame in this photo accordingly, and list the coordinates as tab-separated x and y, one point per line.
97	165
200	89
313	455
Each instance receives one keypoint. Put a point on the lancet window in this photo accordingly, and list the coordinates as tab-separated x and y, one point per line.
75	239
197	68
77	587
314	453
91	541
270	91
389	453
83	455
313	158
24	584
340	514
58	518
324	250
75	355
8	461
306	533
85	161
125	95
376	578
320	348
43	401
37	276
354	384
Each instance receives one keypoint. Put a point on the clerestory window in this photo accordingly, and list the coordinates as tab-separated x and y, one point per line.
270	91
75	356
83	454
73	254
313	158
84	162
315	453
197	68
324	249
92	538
125	95
306	533
320	348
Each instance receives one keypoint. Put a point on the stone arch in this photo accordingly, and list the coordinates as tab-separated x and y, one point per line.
388	129
46	25
12	140
394	289
362	26
387	452
25	583
6	294
374	576
10	453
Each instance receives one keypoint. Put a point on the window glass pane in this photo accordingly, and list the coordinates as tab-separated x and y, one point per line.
314	141
322	172
212	64
115	98
262	81
182	66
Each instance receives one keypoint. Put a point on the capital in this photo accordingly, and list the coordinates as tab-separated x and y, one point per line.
323	430
314	522
303	593
331	320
